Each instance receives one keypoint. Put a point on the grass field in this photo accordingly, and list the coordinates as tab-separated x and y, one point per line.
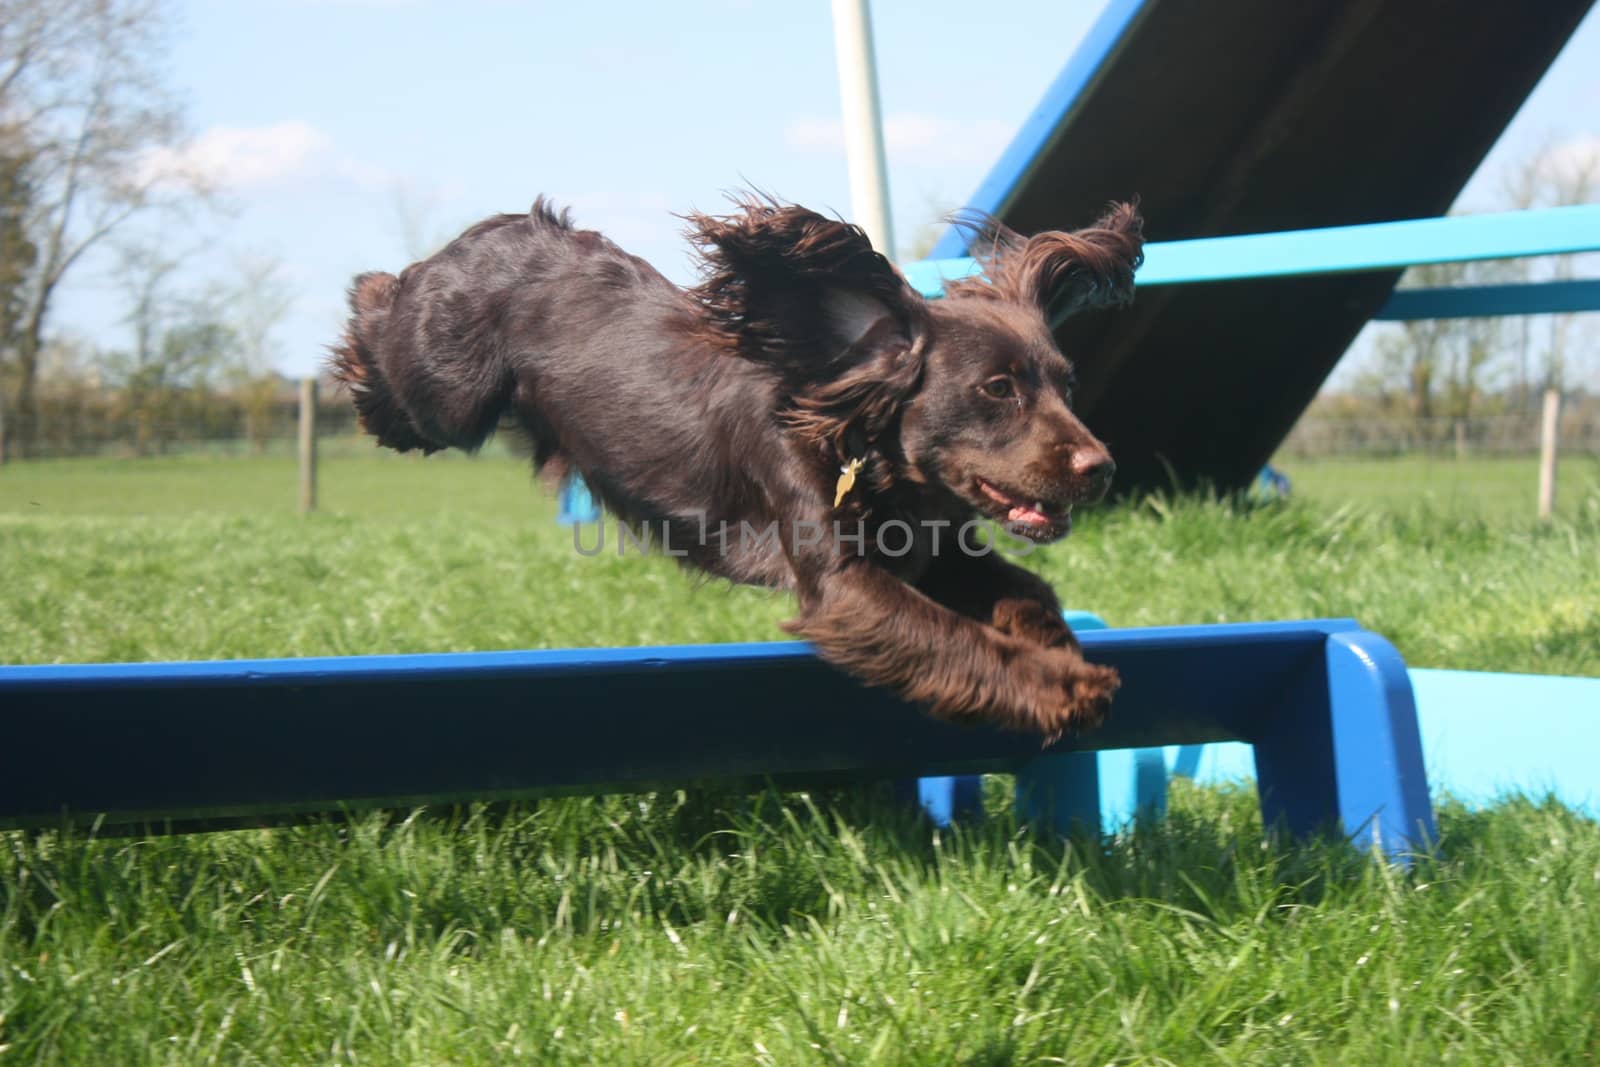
674	928
1495	488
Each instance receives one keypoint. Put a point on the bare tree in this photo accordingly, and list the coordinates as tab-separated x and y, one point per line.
1439	367
181	341
80	83
17	250
1404	368
258	301
146	273
256	306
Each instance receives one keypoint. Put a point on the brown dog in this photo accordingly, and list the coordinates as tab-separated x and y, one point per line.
802	419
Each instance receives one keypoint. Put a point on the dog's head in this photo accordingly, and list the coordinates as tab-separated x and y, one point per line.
967	395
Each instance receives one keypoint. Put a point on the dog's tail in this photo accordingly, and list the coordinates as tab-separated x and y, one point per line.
353	363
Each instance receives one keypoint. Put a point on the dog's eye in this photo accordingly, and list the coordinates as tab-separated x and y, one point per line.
999	387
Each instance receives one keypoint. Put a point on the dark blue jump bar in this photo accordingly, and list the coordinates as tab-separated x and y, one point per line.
192	743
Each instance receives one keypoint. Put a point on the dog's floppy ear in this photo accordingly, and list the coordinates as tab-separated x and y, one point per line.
809	295
782	284
847	415
1059	272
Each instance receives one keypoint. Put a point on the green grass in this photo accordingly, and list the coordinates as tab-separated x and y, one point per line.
699	928
661	930
202	559
371	485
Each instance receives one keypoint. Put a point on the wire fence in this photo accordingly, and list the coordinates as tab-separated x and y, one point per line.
83	423
1327	436
1477	462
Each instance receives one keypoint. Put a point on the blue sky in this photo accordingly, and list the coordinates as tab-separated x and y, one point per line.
331	122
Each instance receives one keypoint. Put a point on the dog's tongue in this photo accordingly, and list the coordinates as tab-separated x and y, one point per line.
1027	516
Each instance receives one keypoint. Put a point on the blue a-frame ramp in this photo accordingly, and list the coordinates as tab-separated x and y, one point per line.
1247	116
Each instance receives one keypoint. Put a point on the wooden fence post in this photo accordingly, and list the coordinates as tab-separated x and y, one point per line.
308	445
1548	433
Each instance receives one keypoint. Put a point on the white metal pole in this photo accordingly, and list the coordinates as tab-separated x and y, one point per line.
863	122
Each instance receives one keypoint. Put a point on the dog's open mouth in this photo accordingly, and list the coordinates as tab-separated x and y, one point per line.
1037	520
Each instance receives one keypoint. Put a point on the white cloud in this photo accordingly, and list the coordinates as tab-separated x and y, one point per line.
1572	160
909	136
241	157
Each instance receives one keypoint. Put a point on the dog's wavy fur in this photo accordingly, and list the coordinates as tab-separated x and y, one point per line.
738	401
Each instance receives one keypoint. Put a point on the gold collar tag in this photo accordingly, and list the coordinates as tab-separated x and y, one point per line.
847	480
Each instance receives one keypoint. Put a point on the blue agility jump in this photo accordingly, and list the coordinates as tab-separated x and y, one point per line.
1326	705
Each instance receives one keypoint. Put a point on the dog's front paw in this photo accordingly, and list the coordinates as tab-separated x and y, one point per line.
1089	694
1083	697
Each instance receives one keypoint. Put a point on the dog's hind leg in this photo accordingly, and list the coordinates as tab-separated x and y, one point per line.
444	385
354	362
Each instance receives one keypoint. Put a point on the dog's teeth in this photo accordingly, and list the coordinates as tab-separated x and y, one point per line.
1039	507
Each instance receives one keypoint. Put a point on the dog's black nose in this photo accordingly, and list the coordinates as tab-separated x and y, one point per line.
1095	467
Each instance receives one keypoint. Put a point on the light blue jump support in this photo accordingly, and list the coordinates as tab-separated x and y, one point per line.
1474	751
